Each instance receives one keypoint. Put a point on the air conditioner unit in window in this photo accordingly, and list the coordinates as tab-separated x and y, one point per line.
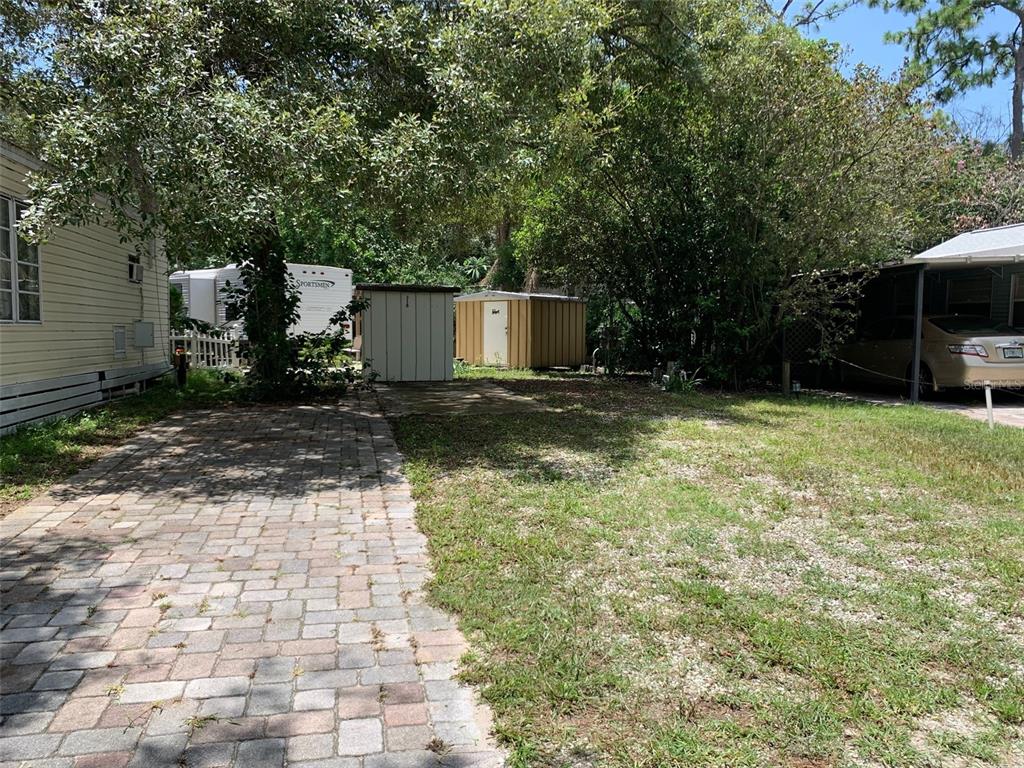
134	272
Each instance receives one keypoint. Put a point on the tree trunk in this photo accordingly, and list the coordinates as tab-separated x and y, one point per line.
532	282
501	236
1017	134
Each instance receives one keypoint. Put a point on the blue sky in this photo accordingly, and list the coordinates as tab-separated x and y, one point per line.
861	31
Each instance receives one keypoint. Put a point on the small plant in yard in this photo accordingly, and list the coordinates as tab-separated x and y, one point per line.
286	366
438	746
682	382
115	691
198	722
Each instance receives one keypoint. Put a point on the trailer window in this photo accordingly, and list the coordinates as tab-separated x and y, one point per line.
19	268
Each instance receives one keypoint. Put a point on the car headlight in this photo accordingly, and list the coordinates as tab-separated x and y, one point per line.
968	349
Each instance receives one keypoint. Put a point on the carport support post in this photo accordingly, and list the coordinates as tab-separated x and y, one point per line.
915	373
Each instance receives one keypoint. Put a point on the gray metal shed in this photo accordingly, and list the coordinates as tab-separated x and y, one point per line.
407	331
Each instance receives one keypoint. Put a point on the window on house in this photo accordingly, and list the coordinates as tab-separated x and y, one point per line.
969	296
1017	302
19	268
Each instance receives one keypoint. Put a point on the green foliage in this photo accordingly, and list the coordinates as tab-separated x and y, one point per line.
727	173
984	189
287	365
267	301
320	362
376	251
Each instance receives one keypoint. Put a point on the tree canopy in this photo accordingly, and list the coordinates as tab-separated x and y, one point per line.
694	164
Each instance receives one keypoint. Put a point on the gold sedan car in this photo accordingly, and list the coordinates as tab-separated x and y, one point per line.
957	351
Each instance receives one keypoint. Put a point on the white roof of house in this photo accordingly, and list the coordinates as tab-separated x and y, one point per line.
1002	245
513	295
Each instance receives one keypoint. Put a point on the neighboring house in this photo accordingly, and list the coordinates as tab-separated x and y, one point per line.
82	315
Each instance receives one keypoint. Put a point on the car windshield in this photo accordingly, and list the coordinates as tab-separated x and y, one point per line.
974	324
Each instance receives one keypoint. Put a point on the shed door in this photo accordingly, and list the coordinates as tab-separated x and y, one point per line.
496	332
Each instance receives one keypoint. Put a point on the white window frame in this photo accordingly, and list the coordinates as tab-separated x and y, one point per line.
12	218
135	273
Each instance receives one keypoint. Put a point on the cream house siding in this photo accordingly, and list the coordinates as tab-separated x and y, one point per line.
85	294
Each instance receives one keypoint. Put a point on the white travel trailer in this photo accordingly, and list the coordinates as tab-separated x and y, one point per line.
198	292
322	292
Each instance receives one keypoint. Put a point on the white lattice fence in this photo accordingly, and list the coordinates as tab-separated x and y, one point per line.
207	351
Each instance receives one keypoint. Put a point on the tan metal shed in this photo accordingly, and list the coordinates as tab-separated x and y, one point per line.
520	330
405	334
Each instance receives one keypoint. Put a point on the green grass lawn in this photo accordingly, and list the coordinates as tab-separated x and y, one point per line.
37	456
652	579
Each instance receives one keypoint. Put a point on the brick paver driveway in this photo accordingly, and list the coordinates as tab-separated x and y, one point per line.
240	587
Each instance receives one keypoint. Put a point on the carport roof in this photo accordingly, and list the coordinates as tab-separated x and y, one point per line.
995	245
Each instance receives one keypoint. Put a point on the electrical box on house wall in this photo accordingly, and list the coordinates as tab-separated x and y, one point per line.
143	333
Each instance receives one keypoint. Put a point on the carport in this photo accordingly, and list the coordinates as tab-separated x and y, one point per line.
979	269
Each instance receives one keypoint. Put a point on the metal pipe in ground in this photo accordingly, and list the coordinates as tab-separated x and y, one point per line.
988	405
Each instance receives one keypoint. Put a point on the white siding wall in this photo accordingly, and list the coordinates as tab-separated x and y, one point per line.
407	335
85	293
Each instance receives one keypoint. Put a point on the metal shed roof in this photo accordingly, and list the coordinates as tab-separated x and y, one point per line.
513	295
406	288
1000	245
